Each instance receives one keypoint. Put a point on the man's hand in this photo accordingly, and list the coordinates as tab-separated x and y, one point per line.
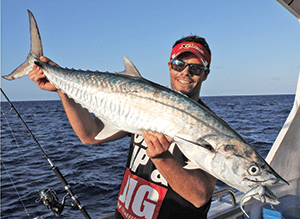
37	75
158	144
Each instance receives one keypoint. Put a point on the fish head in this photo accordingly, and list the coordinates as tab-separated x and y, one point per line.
233	161
236	159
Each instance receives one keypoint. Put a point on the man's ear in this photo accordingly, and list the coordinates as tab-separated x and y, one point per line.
169	64
206	72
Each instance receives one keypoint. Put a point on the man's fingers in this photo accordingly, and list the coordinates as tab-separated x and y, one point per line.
36	74
47	60
159	137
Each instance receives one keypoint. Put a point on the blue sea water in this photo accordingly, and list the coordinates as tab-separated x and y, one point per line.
95	172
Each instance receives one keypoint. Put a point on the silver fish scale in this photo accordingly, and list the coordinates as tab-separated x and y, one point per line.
135	104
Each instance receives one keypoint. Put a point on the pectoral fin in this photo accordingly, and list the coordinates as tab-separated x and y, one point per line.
191	166
204	144
108	131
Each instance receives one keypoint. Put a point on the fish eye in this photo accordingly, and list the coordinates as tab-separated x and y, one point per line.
253	169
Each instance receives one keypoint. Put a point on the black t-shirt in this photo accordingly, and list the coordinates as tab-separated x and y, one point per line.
144	193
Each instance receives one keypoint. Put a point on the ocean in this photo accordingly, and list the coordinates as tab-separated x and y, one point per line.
95	172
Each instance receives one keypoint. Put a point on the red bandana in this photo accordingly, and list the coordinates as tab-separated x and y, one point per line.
194	48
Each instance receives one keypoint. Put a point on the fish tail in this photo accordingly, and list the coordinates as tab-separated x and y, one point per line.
36	50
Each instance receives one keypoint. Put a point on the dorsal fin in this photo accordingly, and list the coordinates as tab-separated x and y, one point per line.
130	69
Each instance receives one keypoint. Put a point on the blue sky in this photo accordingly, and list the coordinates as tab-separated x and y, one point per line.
255	44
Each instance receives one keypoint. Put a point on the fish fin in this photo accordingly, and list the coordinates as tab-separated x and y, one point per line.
130	69
36	47
202	143
36	50
19	72
191	166
108	130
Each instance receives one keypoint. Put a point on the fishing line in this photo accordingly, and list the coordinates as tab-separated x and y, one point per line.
48	197
36	141
16	141
21	154
12	182
13	135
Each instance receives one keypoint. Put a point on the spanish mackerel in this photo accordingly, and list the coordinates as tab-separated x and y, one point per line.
126	101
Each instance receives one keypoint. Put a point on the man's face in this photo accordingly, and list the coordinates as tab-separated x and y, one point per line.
184	81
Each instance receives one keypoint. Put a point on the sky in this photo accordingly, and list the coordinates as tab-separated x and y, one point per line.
255	44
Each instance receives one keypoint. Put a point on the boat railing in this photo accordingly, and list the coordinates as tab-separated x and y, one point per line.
229	191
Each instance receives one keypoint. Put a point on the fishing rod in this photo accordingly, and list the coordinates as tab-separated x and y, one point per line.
48	196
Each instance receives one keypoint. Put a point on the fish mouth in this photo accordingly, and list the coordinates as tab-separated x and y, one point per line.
268	182
264	182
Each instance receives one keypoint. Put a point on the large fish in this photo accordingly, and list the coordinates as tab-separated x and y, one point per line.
126	101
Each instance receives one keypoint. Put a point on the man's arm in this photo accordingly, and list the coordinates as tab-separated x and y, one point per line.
196	186
83	123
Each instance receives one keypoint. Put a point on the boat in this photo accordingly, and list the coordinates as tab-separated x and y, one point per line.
283	158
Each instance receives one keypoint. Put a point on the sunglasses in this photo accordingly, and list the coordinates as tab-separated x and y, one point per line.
194	69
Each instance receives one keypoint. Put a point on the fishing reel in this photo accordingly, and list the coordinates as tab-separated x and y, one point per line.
50	200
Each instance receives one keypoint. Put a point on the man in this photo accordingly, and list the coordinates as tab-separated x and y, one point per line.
155	184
